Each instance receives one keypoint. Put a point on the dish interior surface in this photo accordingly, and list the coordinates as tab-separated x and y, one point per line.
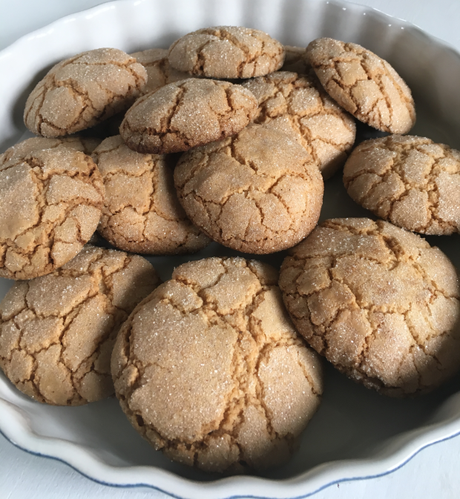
355	432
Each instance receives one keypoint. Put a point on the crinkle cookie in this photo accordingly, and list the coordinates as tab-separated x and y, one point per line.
142	213
159	71
226	52
57	331
298	105
186	114
378	302
50	205
84	90
20	150
363	84
409	181
257	192
295	60
210	370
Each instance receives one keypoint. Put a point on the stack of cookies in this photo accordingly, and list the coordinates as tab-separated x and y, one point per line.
228	136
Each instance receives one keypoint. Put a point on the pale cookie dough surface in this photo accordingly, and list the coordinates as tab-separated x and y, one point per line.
257	192
159	71
363	84
227	52
57	331
210	370
409	181
378	302
50	205
82	91
295	60
142	213
298	105
187	114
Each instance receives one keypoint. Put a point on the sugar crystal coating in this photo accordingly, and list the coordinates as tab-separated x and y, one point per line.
57	331
227	52
363	84
84	90
378	302
210	370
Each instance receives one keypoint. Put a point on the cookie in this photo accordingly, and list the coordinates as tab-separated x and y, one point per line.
257	192
226	52
409	181
50	205
297	104
57	331
295	60
142	213
84	90
186	114
378	302
210	370
20	150
363	84
159	71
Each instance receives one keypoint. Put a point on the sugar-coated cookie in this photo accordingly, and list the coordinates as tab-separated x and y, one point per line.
210	370
363	84
226	52
159	71
185	114
409	181
298	104
84	90
378	302
257	192
142	213
50	205
57	331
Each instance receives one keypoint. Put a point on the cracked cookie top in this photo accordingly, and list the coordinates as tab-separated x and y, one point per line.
159	71
227	52
257	192
209	368
142	213
363	84
378	302
57	331
409	181
186	114
295	60
82	91
50	205
297	104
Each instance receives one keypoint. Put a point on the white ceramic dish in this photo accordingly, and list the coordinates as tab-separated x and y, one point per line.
356	433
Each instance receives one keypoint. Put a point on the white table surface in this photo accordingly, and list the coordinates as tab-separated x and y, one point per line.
432	473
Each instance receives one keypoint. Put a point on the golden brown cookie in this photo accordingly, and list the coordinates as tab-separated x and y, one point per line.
159	71
226	52
186	114
298	105
378	302
409	181
363	84
84	90
57	331
257	192
295	60
50	205
20	150
210	370
142	213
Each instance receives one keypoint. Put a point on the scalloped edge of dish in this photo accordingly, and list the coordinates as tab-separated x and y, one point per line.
393	454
